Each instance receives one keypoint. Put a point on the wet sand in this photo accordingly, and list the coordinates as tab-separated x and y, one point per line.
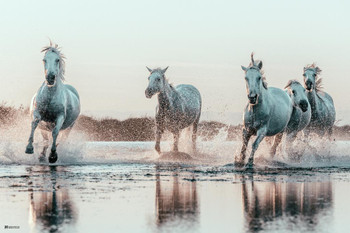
135	192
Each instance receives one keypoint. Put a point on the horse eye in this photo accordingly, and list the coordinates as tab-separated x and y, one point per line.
57	60
158	79
304	75
259	78
314	75
293	92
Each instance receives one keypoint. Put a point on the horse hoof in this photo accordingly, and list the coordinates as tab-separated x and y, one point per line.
53	157
249	169
249	166
29	150
42	158
239	164
157	148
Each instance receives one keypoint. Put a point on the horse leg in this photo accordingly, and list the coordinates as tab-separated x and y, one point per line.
290	139
278	139
306	133
194	135
260	136
159	133
176	141
66	134
330	133
239	162
46	145
55	131
30	148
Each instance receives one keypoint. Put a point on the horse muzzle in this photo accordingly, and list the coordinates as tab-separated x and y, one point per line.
50	79
148	93
308	86
253	99
303	105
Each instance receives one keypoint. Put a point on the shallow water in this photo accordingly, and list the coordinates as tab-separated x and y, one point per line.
124	187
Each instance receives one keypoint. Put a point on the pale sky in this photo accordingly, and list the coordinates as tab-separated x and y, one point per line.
109	43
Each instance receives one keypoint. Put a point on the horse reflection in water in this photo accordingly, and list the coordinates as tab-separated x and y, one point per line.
52	209
176	201
299	204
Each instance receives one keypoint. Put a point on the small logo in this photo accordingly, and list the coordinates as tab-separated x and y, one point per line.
10	227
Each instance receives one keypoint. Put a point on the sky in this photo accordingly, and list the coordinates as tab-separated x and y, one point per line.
108	45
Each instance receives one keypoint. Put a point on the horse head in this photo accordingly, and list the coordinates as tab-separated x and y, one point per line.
255	80
156	81
53	64
310	76
297	93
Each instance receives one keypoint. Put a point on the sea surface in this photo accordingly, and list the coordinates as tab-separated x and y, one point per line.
127	187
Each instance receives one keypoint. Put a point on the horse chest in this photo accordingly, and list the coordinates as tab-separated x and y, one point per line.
172	120
295	120
255	119
316	108
318	114
49	110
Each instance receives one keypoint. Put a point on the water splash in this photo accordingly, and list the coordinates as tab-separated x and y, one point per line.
217	151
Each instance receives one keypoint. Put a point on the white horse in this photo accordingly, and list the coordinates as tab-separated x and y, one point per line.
322	106
56	106
267	113
178	107
301	114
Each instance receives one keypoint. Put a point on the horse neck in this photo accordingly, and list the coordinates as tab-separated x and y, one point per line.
312	96
166	96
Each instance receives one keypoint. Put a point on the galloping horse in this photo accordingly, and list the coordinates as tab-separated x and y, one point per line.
322	106
267	113
178	107
301	114
56	106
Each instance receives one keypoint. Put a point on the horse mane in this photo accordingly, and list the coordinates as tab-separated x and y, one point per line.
55	49
159	70
254	65
317	70
291	82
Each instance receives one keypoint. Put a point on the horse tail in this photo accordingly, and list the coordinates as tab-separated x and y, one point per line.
33	104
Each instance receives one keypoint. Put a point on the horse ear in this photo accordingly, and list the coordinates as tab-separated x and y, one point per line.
252	58
244	68
318	70
260	64
304	69
163	71
150	70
